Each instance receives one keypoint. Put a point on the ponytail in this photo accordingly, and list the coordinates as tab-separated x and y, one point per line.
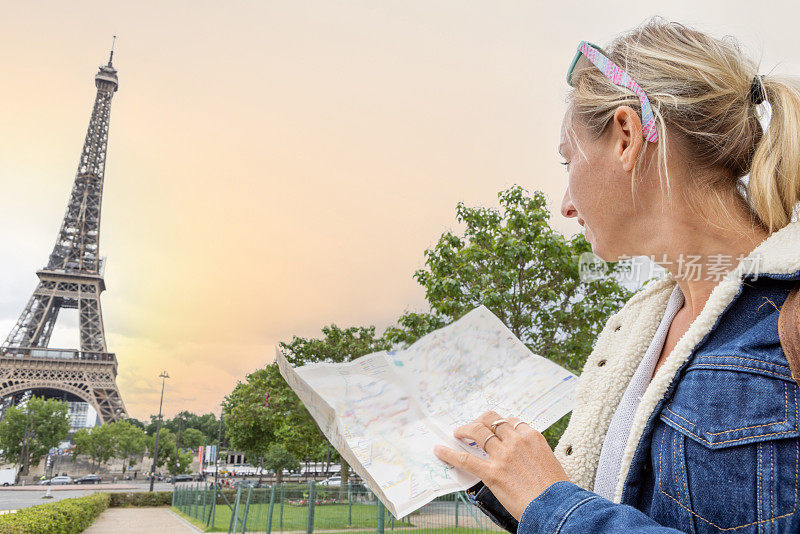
774	188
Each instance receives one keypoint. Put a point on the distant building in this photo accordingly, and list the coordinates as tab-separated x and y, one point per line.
81	415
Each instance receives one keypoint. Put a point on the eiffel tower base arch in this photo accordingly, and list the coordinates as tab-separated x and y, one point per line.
91	381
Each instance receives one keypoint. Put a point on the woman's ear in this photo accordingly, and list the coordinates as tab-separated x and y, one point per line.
627	135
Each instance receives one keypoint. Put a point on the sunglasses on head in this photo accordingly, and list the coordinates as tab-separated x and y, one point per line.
613	72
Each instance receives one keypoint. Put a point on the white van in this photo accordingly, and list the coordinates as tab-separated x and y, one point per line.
8	476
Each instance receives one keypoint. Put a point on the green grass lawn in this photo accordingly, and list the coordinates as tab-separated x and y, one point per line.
326	517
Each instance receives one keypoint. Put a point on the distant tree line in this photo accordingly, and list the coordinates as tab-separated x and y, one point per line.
28	432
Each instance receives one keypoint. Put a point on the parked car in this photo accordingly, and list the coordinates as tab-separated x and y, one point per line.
332	481
89	479
180	478
56	481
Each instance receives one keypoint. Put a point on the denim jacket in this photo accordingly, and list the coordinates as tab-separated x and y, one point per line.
715	443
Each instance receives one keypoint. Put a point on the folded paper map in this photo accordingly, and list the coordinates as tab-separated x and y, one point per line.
385	411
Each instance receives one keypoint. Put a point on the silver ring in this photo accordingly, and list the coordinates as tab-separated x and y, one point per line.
490	436
519	423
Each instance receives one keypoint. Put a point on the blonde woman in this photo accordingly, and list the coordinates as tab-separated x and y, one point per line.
686	414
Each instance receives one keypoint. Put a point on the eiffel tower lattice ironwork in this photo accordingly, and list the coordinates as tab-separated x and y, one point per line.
73	278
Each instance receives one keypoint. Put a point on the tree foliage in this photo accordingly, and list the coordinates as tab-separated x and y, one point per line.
178	462
119	439
279	458
253	422
511	261
173	458
28	432
411	326
206	423
191	439
130	441
97	443
336	345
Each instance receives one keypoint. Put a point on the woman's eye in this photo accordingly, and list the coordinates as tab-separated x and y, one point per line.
565	163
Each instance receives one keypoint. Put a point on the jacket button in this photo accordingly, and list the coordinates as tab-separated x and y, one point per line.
601	363
569	450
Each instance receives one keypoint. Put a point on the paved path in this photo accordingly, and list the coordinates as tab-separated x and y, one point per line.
140	520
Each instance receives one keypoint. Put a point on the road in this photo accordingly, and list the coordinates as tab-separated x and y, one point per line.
15	498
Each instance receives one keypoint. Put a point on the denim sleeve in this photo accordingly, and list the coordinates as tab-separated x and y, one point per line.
567	508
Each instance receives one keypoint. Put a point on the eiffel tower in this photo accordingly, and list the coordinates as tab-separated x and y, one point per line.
73	278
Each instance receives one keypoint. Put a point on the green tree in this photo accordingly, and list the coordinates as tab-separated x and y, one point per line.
411	326
135	422
130	441
264	410
206	423
336	345
119	439
28	432
98	443
166	446
178	462
278	458
175	461
191	439
511	261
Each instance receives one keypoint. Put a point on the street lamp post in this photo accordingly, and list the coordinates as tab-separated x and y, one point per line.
217	489
219	445
163	377
177	446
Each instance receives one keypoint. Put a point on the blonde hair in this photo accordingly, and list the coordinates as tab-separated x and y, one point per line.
699	89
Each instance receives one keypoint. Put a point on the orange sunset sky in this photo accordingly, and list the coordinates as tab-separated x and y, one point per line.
274	167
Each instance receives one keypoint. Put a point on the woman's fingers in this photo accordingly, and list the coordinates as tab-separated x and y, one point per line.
504	425
520	464
463	460
478	433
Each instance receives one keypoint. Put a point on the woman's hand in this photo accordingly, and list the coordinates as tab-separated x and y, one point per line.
521	464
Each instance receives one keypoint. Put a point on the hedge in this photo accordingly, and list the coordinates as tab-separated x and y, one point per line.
140	498
69	516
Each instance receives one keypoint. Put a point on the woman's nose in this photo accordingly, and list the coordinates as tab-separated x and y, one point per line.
567	209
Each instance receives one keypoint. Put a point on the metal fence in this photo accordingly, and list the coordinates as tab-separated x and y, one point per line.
306	508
